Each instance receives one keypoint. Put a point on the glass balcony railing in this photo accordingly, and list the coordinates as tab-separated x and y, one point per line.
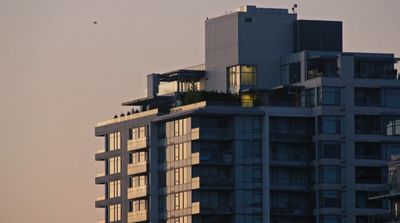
195	158
139	143
195	183
136	168
136	192
137	216
196	208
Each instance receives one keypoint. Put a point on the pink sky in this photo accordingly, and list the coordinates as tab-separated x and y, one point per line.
60	73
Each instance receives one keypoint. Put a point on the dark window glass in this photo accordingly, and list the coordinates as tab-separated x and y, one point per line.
329	150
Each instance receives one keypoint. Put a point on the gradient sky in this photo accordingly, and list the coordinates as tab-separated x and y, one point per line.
60	73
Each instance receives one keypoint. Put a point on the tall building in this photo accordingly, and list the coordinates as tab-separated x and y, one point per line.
279	125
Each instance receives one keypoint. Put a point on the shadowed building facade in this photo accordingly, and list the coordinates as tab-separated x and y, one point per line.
279	125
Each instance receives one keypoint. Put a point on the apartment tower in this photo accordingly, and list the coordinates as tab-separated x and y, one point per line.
278	125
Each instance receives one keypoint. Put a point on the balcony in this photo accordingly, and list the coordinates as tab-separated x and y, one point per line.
136	168
137	216
222	183
195	183
195	158
100	202
292	210
100	154
136	144
221	158
196	208
100	178
290	136
217	134
136	192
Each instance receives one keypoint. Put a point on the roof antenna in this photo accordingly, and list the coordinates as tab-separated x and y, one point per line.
294	8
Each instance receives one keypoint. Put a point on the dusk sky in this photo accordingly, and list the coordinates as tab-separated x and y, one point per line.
60	73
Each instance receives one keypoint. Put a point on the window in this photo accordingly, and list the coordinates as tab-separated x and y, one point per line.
139	132
290	151
367	97
114	165
370	175
180	200
138	205
180	151
391	149
310	97
180	176
114	213
362	201
391	98
138	181
367	124
392	125
329	96
114	141
329	150
138	157
329	174
322	67
377	69
114	189
329	124
330	199
368	150
242	77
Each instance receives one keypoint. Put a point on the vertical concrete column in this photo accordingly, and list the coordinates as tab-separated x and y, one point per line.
266	169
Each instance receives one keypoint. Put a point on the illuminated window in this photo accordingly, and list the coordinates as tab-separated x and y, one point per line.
114	189
242	77
114	165
114	141
180	176
180	200
139	132
180	151
114	213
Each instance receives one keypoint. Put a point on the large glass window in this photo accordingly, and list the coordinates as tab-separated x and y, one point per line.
329	150
114	141
310	97
377	69
138	205
139	132
114	189
329	174
242	77
329	124
322	67
114	165
367	97
362	201
330	199
114	213
367	124
368	150
370	175
329	96
392	124
391	98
